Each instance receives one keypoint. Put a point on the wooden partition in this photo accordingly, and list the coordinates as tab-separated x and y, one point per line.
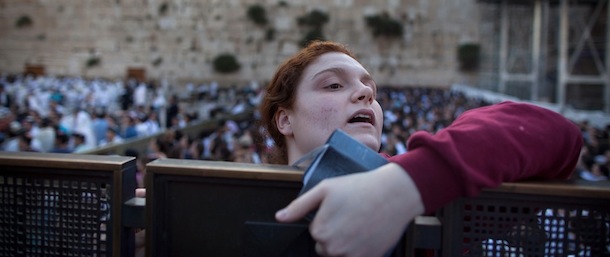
64	204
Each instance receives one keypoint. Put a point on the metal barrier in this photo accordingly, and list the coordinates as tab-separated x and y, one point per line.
140	144
64	204
229	208
569	218
82	205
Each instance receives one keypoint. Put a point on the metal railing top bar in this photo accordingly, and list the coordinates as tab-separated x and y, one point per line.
224	169
138	143
570	188
193	130
65	161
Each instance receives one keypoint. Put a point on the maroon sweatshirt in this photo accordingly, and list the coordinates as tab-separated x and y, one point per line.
486	146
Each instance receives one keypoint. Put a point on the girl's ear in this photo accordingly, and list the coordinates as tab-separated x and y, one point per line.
282	121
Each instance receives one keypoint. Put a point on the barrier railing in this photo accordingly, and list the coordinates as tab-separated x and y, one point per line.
567	218
64	204
140	144
78	205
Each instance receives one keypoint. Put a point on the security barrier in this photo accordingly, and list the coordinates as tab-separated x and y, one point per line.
223	209
82	205
64	205
194	130
567	218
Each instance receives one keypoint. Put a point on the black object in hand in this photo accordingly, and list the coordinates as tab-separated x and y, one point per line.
340	155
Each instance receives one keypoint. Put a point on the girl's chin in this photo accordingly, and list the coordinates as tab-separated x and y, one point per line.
369	140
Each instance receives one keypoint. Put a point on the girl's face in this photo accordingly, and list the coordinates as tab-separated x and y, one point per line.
335	92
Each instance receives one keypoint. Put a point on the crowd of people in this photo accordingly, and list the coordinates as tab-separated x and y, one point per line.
70	114
67	114
75	115
594	162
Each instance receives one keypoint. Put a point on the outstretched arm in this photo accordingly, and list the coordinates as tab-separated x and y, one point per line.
364	214
486	146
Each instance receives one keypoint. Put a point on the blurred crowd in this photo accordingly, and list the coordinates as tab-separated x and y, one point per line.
594	162
74	115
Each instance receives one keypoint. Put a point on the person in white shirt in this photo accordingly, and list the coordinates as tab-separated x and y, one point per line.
139	95
46	135
111	138
79	143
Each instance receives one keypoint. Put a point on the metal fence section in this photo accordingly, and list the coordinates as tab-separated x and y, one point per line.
54	216
500	223
64	205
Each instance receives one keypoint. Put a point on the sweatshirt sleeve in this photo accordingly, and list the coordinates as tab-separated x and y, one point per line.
489	145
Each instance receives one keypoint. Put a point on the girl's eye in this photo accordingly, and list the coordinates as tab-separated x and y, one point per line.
334	86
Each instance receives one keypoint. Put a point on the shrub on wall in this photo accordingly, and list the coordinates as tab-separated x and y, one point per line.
314	20
226	63
93	61
24	21
257	14
384	25
468	56
163	8
157	61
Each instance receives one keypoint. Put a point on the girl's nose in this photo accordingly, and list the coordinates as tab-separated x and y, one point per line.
363	93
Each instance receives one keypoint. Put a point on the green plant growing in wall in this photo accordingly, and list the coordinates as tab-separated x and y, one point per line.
257	14
468	56
163	8
24	21
93	61
157	61
315	20
384	25
226	63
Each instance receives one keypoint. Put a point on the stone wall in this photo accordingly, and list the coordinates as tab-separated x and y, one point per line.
180	43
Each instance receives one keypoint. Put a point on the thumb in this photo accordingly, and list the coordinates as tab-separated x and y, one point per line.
141	192
304	204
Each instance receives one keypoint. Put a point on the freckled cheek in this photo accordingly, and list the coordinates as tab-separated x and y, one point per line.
323	117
